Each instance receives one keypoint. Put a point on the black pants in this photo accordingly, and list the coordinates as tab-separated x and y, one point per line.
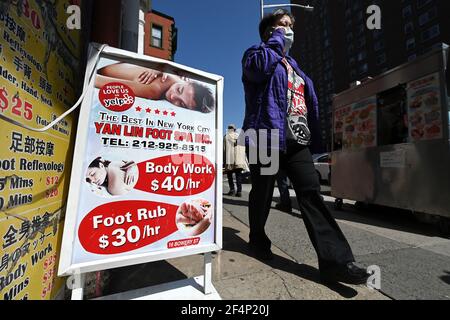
327	238
238	174
283	188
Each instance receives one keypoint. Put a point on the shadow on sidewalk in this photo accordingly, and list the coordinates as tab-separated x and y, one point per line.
235	201
378	216
244	202
233	243
150	274
141	276
446	278
384	217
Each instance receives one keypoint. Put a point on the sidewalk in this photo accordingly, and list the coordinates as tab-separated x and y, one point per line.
238	276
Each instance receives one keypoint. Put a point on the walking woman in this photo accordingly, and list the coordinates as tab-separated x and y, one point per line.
281	98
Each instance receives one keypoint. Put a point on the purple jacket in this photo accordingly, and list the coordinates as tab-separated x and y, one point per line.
266	82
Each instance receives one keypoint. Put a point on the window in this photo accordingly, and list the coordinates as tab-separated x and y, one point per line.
381	59
422	3
427	16
157	36
350	49
348	13
377	34
392	117
412	57
409	28
431	33
349	37
364	68
407	11
361	42
359	17
362	56
410	43
361	29
379	45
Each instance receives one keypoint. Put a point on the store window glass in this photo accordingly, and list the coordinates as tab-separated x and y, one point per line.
392	116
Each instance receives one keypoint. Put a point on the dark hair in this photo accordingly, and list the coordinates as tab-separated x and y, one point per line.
96	164
270	20
204	99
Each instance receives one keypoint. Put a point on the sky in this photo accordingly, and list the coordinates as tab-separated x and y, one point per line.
213	36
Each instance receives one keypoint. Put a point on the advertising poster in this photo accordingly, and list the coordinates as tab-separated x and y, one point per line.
148	177
356	124
339	119
39	77
424	109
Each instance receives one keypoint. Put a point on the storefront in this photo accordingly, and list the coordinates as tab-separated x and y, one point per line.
42	64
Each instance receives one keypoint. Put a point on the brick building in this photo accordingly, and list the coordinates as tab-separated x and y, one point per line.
160	35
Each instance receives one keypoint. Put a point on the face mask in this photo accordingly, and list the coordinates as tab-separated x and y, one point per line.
288	39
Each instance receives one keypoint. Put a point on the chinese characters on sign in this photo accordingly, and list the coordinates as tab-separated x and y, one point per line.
38	75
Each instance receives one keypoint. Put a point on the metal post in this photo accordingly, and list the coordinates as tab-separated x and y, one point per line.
207	284
76	283
262	9
306	8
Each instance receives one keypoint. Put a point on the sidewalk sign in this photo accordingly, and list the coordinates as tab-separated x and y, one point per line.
146	177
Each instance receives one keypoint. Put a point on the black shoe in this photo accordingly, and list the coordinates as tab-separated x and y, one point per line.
231	193
349	274
283	208
260	253
238	194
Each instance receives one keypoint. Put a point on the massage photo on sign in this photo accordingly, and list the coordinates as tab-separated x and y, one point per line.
194	217
111	178
154	84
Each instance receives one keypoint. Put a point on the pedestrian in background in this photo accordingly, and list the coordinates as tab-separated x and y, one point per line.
281	98
235	161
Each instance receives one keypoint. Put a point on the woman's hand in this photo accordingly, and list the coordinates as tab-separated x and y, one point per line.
194	217
149	75
192	211
203	225
130	177
131	174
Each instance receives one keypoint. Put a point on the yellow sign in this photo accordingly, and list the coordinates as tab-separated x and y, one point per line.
39	80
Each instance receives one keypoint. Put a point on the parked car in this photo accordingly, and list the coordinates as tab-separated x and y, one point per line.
322	163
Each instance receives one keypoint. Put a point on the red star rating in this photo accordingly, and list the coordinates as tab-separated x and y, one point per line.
148	110
138	109
165	113
157	111
173	114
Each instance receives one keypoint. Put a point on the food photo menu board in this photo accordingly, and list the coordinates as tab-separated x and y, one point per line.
357	124
424	109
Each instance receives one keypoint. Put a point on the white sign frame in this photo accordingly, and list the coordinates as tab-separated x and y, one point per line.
66	267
